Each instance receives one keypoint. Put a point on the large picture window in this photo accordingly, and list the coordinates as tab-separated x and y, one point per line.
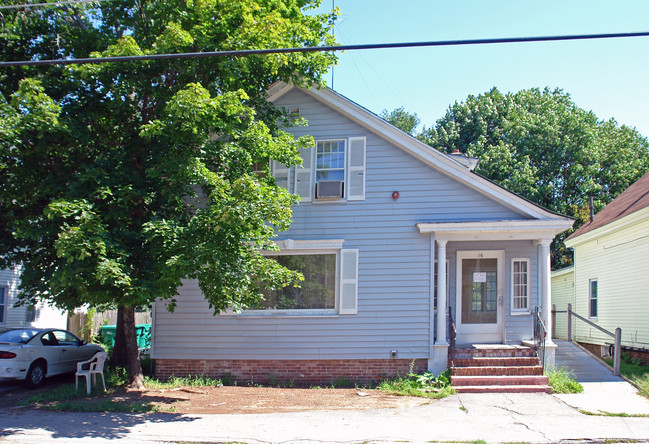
592	297
317	291
520	285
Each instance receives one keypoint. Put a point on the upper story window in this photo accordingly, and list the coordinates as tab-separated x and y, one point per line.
332	170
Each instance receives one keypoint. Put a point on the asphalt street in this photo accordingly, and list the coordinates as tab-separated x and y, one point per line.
493	418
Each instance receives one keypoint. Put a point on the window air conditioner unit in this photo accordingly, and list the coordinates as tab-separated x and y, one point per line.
329	189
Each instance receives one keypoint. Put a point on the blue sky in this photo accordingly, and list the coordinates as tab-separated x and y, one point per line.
609	77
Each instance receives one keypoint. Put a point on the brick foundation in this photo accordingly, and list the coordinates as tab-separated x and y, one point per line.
641	355
299	373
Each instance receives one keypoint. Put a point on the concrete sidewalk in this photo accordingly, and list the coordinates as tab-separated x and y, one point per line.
603	392
493	418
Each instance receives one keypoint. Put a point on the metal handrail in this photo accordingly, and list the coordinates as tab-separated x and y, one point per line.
452	335
617	353
540	333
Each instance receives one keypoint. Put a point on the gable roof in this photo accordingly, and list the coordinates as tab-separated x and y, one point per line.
633	199
425	153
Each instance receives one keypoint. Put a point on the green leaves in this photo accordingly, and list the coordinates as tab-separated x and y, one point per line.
539	144
117	180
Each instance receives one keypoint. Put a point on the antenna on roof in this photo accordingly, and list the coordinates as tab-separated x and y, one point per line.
333	8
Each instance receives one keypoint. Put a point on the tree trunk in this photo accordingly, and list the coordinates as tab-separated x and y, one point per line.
127	353
119	357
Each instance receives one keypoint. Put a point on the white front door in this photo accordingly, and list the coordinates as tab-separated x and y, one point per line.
479	290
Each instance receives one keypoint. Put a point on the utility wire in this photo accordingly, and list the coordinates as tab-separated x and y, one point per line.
247	52
37	5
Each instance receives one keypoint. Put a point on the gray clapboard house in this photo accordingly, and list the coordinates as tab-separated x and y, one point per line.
392	236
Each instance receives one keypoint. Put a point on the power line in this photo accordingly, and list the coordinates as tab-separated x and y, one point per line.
38	5
247	52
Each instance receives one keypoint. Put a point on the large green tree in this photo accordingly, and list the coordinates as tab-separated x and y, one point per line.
117	180
539	144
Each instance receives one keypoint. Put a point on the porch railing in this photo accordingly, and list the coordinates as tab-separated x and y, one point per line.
540	333
617	352
451	336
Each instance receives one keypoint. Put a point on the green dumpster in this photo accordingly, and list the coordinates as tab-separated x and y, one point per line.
108	333
142	332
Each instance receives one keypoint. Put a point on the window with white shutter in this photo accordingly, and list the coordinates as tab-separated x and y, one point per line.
282	174
349	282
303	180
333	170
330	284
356	169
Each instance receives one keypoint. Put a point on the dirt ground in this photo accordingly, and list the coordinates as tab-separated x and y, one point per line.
221	400
227	399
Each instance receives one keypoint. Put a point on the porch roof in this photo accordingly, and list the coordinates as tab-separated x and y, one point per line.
528	229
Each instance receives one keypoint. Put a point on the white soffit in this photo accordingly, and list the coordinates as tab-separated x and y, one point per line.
496	230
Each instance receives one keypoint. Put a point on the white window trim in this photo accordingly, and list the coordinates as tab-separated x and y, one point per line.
521	311
302	247
314	170
590	297
5	301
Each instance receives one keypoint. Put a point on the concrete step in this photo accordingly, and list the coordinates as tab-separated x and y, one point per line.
519	361
508	370
503	389
459	381
493	352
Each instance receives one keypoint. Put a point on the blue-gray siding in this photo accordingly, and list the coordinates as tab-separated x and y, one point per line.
394	263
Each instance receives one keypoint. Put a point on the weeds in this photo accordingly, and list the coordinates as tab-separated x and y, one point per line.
102	405
425	385
619	415
174	382
635	372
562	381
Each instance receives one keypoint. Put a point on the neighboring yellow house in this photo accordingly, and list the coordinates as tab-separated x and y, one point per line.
563	293
611	271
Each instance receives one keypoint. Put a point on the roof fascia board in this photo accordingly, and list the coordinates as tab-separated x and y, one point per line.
624	222
563	271
421	151
496	230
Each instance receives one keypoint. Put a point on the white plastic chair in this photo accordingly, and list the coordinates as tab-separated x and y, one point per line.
95	367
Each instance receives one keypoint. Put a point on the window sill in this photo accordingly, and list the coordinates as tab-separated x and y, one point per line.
288	314
327	201
520	313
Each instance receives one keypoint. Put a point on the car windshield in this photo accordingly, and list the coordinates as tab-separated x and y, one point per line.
21	336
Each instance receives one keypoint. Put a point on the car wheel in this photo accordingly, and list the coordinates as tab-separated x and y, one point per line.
36	375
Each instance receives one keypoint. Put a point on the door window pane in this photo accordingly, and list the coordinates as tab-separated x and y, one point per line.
479	288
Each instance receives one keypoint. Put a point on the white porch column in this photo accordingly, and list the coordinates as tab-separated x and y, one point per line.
439	359
441	293
546	301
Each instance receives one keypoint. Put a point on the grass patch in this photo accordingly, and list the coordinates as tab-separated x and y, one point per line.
619	415
67	398
562	381
426	385
175	382
635	372
102	405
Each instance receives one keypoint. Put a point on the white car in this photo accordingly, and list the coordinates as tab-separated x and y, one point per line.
31	354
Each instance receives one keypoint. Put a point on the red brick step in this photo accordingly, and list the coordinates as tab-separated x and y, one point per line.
497	369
